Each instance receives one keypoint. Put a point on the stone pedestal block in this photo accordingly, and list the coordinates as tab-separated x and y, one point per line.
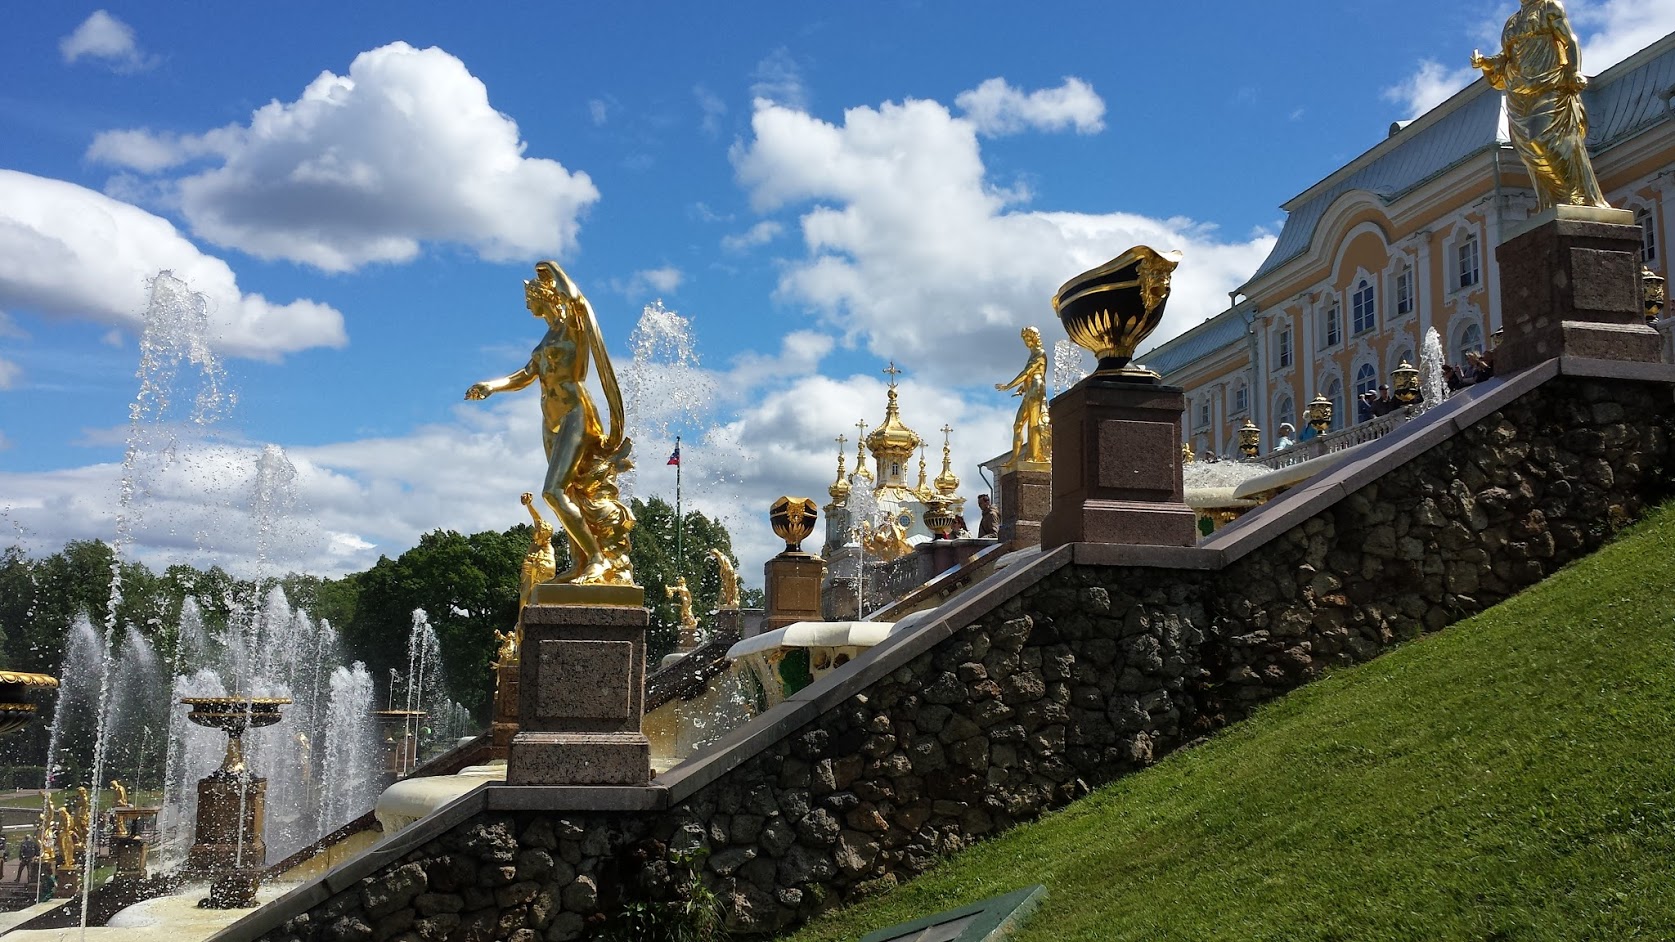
792	581
729	625
1025	498
581	690
1570	284
505	724
1117	466
231	811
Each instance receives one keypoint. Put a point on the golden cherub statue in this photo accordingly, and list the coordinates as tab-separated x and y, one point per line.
121	794
688	621
1540	71
888	540
584	456
1032	432
729	581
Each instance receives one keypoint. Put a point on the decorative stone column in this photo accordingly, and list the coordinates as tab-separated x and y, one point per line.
581	690
1117	465
1570	284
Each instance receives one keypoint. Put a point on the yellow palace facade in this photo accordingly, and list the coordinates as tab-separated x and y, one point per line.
1400	241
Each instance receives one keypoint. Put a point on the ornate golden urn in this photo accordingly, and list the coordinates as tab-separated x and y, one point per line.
793	520
939	518
16	708
1320	414
1404	384
1250	438
1653	289
1111	309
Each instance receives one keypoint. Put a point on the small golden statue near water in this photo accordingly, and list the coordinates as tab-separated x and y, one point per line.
729	600
1032	431
584	454
688	621
1539	68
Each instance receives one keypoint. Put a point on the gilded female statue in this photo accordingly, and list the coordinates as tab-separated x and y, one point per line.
1540	71
584	457
1032	422
688	621
729	580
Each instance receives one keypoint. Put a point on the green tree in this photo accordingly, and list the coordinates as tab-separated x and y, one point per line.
655	567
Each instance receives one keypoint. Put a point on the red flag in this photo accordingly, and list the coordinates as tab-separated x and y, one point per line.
674	457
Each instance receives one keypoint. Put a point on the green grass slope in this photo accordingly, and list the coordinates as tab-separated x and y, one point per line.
1512	777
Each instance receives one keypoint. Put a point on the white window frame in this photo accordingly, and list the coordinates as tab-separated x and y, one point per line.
1404	290
1364	306
1468	262
1331	325
1241	398
1338	420
1286	353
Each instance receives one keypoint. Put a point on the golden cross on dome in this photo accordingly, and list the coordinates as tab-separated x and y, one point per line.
946	431
892	372
842	441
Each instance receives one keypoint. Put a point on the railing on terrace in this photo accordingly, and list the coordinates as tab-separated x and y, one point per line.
1337	441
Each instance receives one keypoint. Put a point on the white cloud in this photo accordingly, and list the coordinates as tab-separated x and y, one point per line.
910	250
711	107
105	38
67	251
598	110
651	281
760	234
778	78
10	373
997	108
1609	31
367	167
1431	84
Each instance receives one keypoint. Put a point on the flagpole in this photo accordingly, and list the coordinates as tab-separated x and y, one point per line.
680	522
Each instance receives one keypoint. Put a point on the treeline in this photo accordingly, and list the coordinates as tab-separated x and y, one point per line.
467	585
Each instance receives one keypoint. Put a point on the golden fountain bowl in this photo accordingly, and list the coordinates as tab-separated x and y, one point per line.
16	687
235	714
1111	309
793	520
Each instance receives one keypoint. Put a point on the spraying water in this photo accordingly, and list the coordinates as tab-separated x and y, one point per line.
1430	369
1070	365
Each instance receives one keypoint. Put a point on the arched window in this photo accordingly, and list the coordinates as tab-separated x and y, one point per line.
1285	413
1407	357
1334	393
1467	266
1363	309
1366	379
1471	338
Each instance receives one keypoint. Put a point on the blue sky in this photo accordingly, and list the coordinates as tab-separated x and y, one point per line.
816	189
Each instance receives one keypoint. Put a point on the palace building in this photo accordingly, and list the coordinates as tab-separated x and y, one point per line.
1400	241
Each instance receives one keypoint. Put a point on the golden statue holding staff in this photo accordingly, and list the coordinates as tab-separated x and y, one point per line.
1540	71
729	581
584	457
1032	422
688	621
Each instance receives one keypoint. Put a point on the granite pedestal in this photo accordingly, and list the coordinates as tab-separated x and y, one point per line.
581	690
1570	285
1026	494
231	813
792	581
1117	466
505	724
939	556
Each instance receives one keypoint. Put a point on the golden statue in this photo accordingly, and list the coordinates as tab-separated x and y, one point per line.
121	794
729	581
66	838
887	541
584	457
1540	71
688	621
84	814
1033	422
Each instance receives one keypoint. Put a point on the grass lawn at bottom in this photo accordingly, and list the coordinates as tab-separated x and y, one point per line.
1511	777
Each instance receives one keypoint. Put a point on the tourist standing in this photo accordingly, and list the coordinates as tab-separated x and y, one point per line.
988	525
27	853
1287	437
